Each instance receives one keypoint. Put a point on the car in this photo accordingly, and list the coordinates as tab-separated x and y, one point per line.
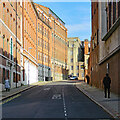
73	78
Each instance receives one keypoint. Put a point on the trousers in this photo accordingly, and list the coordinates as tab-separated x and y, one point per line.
107	90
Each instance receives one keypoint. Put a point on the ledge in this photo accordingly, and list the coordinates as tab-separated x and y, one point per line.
112	29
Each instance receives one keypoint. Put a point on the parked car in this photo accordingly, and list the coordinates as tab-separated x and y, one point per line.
74	78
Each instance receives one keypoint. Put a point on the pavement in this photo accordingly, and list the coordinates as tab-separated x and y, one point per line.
111	105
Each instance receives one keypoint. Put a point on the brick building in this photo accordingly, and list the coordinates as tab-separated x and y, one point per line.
29	44
10	39
105	44
37	38
86	56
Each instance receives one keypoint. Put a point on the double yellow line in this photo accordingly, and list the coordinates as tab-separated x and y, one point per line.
9	99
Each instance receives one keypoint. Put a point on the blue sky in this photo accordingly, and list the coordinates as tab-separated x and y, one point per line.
76	15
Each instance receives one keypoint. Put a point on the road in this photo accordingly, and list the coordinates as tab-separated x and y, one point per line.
54	100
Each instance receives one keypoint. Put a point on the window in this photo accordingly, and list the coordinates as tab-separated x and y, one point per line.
45	44
114	12
82	74
3	76
3	4
109	15
71	67
38	41
77	67
72	45
82	66
71	59
71	52
38	55
45	31
77	74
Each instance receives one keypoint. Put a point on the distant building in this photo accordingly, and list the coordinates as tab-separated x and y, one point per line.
76	57
86	56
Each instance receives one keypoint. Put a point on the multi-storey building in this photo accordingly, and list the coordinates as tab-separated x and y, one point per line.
109	42
33	44
10	42
59	47
94	47
43	42
76	57
54	44
105	45
29	43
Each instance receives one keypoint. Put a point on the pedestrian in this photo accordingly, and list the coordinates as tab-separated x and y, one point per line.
88	79
7	84
107	82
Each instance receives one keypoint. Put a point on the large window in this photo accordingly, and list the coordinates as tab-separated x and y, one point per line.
114	12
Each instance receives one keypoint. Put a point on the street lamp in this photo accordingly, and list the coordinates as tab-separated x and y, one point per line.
44	67
28	64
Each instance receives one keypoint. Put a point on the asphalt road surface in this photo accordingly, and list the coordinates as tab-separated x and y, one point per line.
54	100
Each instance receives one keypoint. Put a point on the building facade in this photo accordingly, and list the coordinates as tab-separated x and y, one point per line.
29	44
75	57
10	39
33	44
43	42
86	56
105	50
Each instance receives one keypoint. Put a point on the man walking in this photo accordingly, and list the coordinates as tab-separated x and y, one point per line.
107	82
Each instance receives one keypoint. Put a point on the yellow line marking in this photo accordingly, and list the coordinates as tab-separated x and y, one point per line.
9	99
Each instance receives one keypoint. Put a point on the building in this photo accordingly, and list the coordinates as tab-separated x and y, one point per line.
44	28
86	56
76	57
105	44
29	43
94	46
10	39
58	47
33	44
55	44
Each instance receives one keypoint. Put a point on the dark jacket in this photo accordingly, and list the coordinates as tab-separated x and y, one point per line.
107	81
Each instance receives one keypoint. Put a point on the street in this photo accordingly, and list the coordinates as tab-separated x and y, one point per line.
54	100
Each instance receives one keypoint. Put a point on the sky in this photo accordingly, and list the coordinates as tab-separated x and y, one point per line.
76	15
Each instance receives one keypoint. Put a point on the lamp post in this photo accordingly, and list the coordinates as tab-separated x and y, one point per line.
44	68
28	65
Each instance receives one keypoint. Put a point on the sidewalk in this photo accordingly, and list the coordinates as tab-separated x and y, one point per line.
14	91
110	105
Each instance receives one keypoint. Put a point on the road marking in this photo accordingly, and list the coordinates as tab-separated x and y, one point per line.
47	89
9	99
65	111
56	96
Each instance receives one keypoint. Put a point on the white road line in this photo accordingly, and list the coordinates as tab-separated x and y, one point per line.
65	111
